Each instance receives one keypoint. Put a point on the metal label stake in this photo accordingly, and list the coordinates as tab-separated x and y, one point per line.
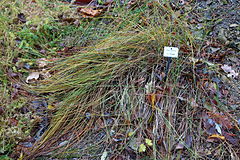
169	60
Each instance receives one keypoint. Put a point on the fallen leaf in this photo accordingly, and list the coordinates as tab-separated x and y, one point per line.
142	148
13	121
130	134
148	142
179	146
153	98
90	12
216	136
51	107
33	76
223	120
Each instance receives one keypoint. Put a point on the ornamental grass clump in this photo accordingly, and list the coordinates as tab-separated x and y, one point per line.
104	80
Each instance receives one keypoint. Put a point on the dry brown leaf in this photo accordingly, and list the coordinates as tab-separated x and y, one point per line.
232	138
90	12
152	99
221	119
13	121
216	136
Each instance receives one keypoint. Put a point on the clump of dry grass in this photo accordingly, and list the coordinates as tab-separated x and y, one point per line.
111	89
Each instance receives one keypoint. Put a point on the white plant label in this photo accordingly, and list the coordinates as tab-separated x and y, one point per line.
170	52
